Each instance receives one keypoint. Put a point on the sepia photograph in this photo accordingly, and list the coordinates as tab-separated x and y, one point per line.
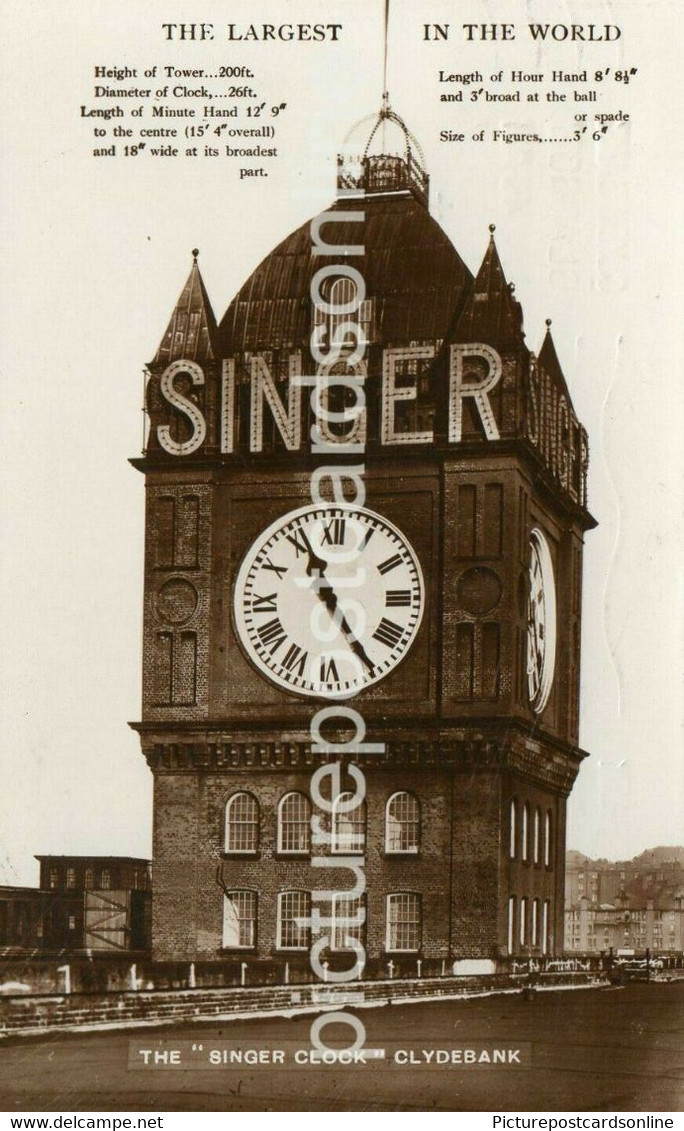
341	557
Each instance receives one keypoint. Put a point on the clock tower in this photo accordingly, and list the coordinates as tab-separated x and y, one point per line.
432	584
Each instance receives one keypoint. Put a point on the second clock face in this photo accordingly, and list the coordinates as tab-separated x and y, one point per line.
541	623
328	600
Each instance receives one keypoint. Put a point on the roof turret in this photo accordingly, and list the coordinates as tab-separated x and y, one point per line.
491	313
191	333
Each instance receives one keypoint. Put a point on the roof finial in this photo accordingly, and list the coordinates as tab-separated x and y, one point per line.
195	253
548	322
492	228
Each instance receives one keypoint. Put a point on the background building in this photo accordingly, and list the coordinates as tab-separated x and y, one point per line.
474	455
83	903
625	905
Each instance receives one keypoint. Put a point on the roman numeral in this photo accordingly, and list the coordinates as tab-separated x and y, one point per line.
295	660
271	634
264	604
390	563
334	532
398	598
299	541
369	534
280	571
329	673
388	633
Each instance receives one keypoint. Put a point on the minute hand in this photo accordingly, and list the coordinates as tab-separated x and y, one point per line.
325	592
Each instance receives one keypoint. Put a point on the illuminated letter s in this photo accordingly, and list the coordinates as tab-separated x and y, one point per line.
182	404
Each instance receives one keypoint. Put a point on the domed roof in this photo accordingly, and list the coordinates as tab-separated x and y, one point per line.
411	269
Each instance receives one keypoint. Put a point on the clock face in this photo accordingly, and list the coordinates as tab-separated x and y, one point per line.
328	600
541	623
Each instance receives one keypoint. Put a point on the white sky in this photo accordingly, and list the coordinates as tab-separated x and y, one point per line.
95	253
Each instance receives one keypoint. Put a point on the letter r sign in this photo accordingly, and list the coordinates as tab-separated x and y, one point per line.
460	387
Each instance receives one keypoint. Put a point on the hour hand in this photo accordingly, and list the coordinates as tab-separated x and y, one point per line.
326	593
316	564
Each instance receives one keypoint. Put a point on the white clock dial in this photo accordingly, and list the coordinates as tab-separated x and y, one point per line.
328	600
541	623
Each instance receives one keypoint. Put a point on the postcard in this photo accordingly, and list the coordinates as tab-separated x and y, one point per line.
343	631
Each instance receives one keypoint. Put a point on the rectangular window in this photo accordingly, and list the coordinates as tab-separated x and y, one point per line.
523	920
165	514
534	925
493	520
294	910
490	660
239	919
349	917
547	846
187	537
403	922
105	879
511	923
467	497
524	839
523	524
71	877
54	877
185	669
465	666
163	656
545	928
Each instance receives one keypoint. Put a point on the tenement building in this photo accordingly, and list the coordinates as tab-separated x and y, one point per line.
361	356
629	905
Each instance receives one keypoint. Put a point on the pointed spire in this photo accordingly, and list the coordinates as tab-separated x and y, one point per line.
491	313
191	333
548	361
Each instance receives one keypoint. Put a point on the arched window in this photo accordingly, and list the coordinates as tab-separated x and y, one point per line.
294	907
536	836
547	839
511	923
239	919
294	823
403	921
402	823
344	302
242	823
348	824
525	844
523	920
512	831
545	927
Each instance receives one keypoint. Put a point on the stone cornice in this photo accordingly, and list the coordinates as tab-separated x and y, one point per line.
459	752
